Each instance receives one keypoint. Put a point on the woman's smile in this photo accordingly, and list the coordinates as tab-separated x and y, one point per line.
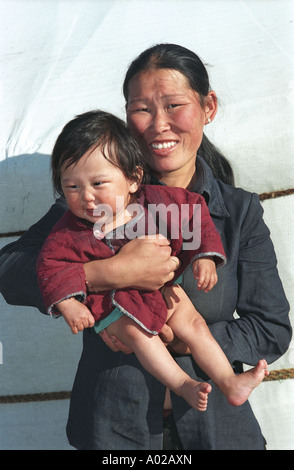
163	145
166	117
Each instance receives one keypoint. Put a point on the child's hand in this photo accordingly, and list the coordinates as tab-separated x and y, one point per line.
205	271
77	315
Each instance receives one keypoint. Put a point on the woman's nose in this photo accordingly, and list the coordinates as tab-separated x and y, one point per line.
160	121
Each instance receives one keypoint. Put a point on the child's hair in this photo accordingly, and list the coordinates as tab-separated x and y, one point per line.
91	130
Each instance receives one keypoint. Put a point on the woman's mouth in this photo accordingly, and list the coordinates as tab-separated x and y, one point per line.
163	145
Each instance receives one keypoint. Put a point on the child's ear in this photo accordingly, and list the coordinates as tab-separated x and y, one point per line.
134	186
140	174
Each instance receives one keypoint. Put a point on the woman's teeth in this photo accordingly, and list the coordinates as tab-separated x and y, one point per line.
164	145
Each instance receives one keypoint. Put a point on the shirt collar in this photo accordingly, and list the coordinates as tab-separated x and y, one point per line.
208	187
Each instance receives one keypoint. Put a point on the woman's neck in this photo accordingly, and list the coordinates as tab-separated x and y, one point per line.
179	180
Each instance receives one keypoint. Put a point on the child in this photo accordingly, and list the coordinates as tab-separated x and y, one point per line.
98	167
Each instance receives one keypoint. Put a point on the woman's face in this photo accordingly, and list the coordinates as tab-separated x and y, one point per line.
164	114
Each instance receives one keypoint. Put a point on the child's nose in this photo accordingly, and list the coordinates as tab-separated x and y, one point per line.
88	195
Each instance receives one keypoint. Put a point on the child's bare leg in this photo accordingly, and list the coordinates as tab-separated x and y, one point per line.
156	359
191	328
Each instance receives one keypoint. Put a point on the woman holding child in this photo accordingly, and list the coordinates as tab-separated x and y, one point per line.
115	403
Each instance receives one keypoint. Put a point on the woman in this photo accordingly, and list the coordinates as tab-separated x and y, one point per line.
168	104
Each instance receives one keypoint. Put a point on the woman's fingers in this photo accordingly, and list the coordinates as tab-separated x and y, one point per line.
114	343
148	263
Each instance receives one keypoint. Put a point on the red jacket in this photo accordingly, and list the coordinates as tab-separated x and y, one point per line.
72	243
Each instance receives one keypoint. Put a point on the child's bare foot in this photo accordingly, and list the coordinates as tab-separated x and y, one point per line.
243	384
196	394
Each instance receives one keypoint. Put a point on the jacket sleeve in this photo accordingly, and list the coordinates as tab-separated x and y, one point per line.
60	268
18	279
263	328
205	239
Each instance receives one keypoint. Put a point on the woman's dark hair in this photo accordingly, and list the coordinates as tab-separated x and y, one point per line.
172	56
90	130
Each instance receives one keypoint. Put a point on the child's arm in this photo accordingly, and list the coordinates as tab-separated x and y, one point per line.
204	269
77	315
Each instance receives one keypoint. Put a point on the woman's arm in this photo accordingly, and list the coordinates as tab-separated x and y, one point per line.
143	263
263	329
18	279
140	264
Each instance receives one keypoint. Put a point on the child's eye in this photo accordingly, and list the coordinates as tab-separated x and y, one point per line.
98	183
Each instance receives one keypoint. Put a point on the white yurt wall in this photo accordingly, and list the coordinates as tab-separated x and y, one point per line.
61	58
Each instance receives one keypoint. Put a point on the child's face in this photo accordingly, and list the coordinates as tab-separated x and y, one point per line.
93	182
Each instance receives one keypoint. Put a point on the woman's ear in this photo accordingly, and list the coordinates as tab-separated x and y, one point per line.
210	106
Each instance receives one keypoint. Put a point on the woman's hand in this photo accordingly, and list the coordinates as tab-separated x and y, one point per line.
150	261
173	343
114	343
167	336
143	263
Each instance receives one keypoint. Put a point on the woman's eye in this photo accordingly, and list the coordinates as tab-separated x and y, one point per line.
139	110
98	183
171	106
